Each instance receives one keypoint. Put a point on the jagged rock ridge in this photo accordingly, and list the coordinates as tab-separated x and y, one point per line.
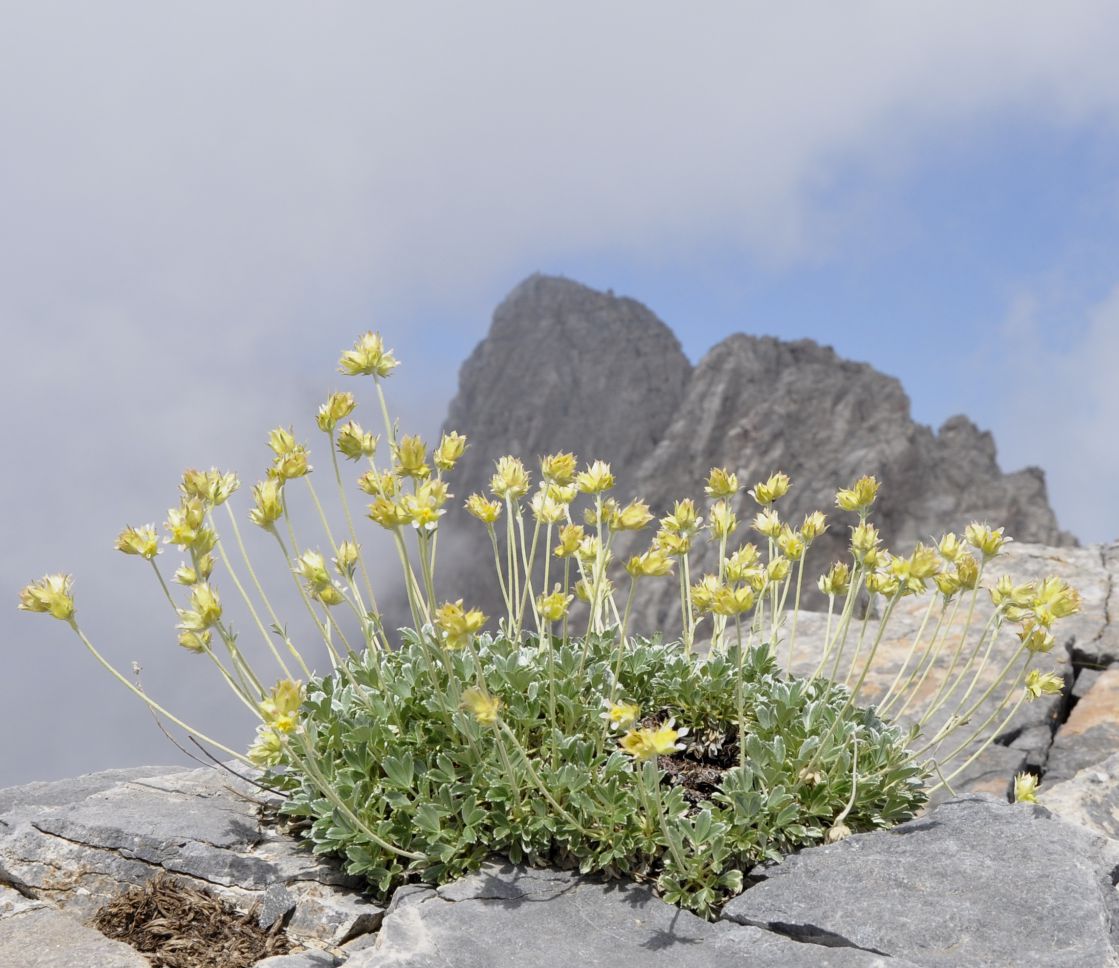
566	367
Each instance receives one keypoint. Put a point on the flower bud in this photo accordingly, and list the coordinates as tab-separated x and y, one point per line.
411	458
139	541
510	479
859	497
558	469
338	407
450	449
485	511
776	487
52	594
595	479
269	498
354	443
721	483
368	357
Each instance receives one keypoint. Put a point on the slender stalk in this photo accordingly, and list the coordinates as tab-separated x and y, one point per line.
151	703
260	591
353	531
248	601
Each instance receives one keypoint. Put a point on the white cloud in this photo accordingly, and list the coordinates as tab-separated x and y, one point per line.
203	202
1060	408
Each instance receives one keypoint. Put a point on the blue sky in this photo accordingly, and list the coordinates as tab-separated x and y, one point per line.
202	205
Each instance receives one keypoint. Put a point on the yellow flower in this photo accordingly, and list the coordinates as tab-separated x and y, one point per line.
354	443
1036	638
546	510
206	603
860	496
311	567
558	468
589	549
923	562
652	563
283	703
425	507
458	624
1025	788
683	520
388	514
987	541
633	517
948	583
570	538
338	406
210	486
704	592
451	447
291	465
778	569
600	511
791	543
379	483
368	357
184	522
186	575
672	544
815	524
732	600
595	479
723	520
482	706
967	572
739	565
621	715
1040	684
645	744
563	493
282	441
950	546
880	584
767	523
483	510
51	593
776	487
836	581
197	642
553	607
721	483
269	498
346	560
864	543
268	748
139	541
510	479
411	458
1054	599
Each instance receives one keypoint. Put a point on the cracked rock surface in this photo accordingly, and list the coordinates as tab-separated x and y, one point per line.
76	844
975	882
506	916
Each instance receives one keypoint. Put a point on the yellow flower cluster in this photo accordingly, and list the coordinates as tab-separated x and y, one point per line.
647	743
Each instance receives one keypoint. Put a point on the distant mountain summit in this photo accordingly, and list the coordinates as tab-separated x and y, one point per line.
566	367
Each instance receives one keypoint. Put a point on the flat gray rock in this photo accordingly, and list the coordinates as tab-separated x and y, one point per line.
302	959
42	937
515	917
1090	798
1091	732
976	882
77	844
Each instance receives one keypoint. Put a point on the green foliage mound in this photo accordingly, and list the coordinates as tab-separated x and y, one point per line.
391	737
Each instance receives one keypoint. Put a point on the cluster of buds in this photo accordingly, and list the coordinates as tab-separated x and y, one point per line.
311	567
456	625
290	459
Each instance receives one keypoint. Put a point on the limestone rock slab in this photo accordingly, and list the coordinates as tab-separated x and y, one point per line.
1091	732
510	917
975	882
42	937
78	845
1090	798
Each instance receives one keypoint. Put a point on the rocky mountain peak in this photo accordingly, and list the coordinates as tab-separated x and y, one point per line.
566	367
